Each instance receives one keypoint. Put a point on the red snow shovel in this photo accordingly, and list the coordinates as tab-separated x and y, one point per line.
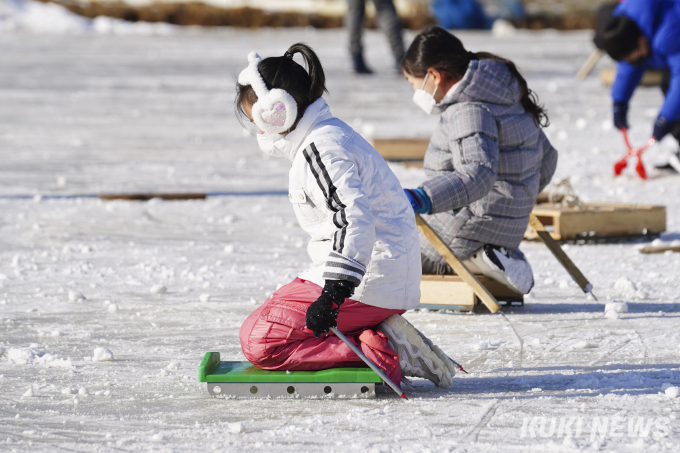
637	152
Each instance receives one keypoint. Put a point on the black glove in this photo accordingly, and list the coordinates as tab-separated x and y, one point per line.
661	128
323	312
621	115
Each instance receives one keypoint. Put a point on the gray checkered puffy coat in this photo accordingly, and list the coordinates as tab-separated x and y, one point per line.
486	162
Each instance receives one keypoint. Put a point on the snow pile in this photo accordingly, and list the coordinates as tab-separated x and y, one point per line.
31	356
619	307
102	355
629	289
625	286
50	18
35	17
158	289
236	428
584	345
612	309
612	314
75	296
484	345
159	437
672	392
502	29
111	26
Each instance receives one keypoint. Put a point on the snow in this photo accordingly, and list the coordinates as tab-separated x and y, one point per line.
29	393
75	296
158	289
619	307
50	18
102	355
110	114
236	428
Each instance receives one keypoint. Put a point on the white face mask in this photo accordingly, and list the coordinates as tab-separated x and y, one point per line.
425	100
267	142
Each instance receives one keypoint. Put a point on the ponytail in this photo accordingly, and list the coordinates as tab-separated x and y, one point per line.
436	48
305	86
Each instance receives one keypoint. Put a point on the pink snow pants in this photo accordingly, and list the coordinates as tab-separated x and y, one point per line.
274	336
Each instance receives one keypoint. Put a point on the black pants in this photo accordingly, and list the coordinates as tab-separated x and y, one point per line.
387	19
665	83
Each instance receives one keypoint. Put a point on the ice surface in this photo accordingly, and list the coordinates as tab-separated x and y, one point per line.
112	114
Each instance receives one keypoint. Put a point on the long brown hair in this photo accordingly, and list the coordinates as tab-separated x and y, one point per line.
436	48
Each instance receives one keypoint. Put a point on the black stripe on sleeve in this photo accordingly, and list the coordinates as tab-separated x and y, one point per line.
308	158
331	195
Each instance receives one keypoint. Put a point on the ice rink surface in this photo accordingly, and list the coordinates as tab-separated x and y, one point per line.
88	113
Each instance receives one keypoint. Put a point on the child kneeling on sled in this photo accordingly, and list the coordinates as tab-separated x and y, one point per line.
487	160
364	242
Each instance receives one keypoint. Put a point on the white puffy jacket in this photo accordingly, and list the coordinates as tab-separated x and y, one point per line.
361	224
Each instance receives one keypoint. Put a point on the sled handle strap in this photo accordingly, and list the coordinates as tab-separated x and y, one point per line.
458	267
560	254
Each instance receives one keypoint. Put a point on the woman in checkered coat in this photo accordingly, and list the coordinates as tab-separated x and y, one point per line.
487	160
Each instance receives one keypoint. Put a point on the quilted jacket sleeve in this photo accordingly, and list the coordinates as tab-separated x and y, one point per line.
474	145
337	181
549	162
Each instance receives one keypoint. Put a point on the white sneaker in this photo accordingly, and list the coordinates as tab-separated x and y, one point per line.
416	358
437	350
509	267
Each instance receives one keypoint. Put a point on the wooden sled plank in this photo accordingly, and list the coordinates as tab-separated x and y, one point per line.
589	64
458	267
561	256
597	219
651	78
451	292
648	249
401	149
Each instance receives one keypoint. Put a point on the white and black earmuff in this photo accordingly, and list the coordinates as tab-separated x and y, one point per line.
275	110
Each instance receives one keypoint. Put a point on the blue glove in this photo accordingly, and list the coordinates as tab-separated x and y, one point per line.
621	115
420	201
661	128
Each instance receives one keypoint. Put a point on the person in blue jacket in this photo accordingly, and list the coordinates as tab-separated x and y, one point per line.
646	34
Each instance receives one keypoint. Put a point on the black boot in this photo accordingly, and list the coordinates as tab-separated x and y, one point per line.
359	65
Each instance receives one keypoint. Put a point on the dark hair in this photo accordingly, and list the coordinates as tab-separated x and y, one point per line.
306	86
436	48
620	37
